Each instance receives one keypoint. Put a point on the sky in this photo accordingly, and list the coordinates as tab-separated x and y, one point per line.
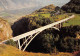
55	2
42	2
19	4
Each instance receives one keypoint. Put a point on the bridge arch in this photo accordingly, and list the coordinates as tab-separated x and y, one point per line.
30	38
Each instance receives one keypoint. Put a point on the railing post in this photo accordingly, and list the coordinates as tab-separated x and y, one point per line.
19	44
25	38
60	25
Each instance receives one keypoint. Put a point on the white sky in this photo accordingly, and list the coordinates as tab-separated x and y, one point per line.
19	4
55	2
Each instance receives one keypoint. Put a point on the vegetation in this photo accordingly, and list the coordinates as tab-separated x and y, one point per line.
12	43
45	15
6	50
54	41
46	9
77	53
74	21
68	38
72	6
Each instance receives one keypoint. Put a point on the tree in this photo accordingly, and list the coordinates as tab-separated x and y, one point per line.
57	8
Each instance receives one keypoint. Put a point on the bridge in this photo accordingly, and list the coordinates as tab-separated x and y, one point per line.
29	36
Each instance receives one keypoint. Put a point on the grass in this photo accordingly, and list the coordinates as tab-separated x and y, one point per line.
45	15
6	50
74	21
62	16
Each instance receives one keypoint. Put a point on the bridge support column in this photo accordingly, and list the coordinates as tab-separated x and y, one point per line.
60	25
57	26
19	44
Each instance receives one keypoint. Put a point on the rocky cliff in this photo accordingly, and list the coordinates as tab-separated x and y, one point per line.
5	30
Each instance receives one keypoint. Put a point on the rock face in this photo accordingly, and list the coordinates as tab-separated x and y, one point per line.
72	6
5	30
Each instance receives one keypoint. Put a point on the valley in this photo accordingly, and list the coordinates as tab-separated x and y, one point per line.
17	20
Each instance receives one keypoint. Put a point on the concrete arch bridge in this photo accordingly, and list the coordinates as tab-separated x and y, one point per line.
29	36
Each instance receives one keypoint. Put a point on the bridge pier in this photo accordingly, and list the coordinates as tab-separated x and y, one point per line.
19	45
57	26
60	25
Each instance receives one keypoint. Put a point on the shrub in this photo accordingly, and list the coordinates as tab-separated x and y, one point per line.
11	42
